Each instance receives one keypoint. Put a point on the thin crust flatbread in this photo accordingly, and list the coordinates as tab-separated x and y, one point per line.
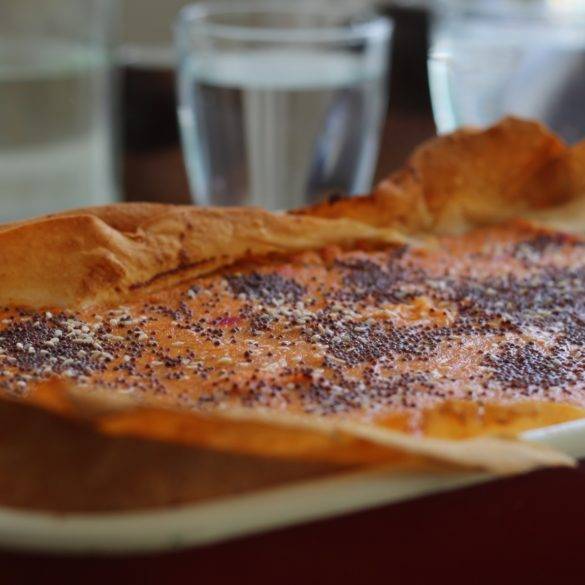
66	269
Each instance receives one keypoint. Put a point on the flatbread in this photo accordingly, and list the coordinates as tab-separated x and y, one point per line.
333	337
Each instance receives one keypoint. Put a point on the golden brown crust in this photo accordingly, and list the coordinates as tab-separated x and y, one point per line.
472	178
453	183
100	254
564	175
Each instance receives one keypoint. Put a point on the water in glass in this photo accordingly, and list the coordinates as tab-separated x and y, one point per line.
278	128
55	149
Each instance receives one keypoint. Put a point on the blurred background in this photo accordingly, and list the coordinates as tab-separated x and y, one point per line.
88	103
153	161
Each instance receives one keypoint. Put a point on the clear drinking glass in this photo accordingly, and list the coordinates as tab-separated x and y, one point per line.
491	58
280	104
55	106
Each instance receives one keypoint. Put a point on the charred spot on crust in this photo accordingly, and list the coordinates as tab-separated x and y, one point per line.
335	197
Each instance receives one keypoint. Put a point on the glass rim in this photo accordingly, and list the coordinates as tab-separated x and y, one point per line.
370	26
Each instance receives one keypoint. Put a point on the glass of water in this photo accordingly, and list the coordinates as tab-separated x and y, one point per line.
280	104
55	106
492	58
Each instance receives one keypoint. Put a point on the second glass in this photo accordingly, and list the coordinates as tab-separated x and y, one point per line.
280	106
56	106
489	59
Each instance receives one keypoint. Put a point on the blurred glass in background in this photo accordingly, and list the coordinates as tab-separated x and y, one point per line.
491	58
280	104
152	162
56	106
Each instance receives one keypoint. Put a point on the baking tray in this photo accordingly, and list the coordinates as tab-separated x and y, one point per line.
222	519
